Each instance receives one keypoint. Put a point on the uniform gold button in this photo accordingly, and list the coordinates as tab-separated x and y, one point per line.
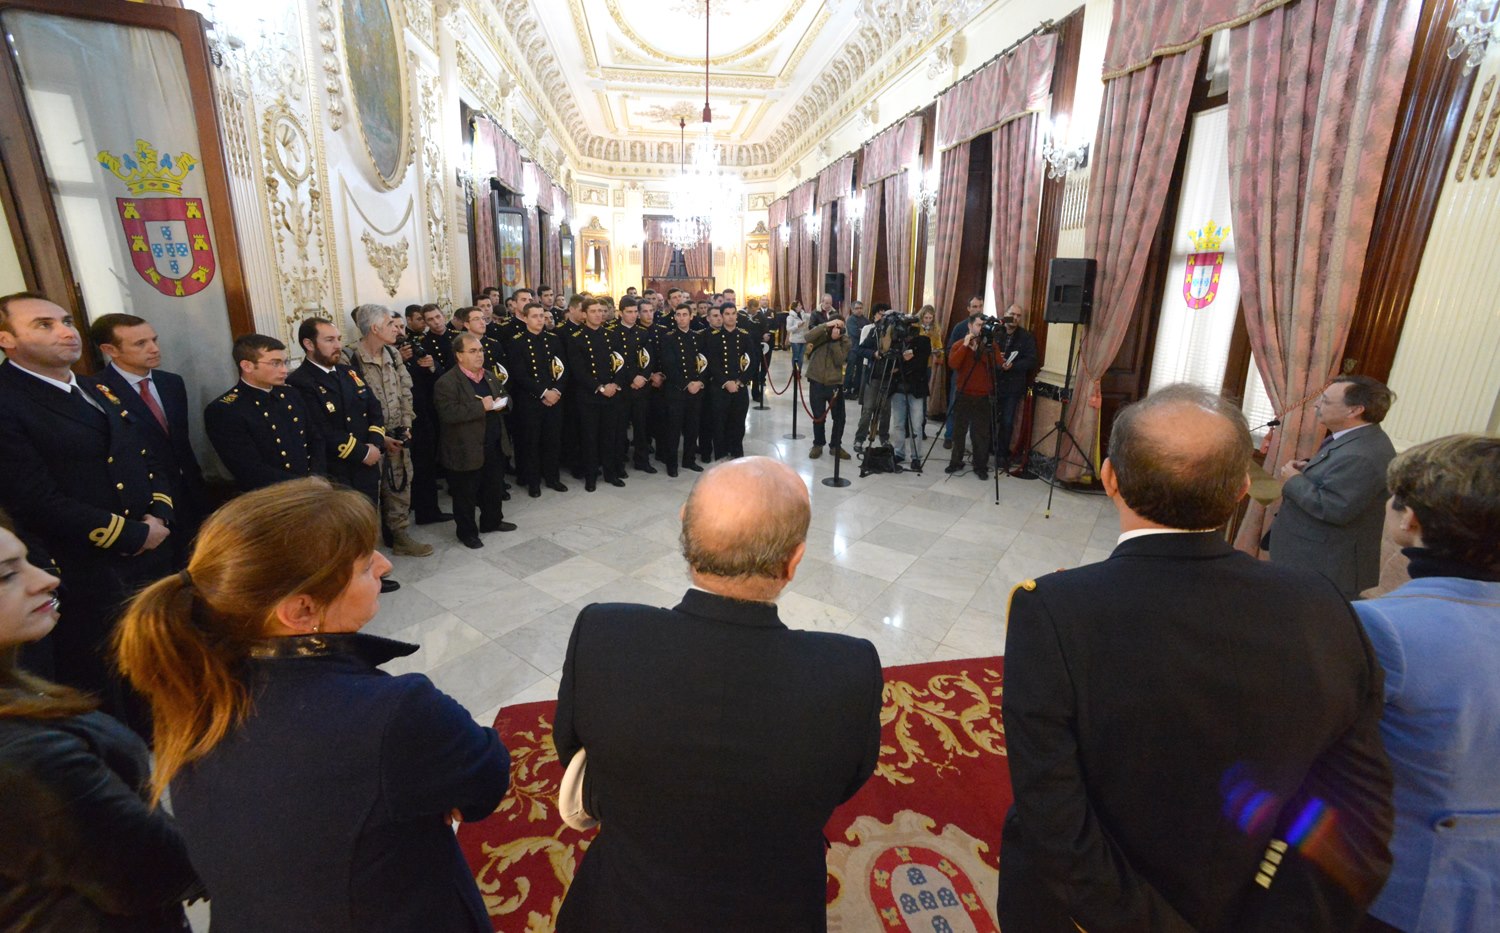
110	460
151	476
120	486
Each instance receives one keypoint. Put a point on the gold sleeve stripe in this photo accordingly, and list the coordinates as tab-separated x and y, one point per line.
347	447
378	429
106	536
163	498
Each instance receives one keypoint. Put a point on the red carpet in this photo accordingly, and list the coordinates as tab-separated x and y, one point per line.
916	849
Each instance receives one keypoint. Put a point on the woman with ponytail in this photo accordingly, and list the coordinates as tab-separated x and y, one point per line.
81	849
315	790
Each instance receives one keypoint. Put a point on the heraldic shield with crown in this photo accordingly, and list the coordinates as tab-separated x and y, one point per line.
1200	284
168	236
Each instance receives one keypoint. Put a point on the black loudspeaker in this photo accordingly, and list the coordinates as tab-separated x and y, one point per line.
833	284
1070	291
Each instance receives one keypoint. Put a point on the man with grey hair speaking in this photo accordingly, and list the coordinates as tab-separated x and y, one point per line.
382	367
718	740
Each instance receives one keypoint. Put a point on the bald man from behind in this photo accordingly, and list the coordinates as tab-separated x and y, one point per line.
1193	734
718	740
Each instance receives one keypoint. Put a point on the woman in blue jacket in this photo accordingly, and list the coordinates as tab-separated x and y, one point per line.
1438	638
315	791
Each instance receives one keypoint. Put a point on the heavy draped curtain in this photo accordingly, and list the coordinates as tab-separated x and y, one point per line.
780	288
1314	90
1016	191
834	186
808	285
883	164
1140	130
495	155
869	242
699	259
953	194
657	258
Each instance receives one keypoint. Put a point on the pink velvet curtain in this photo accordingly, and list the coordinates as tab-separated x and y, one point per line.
868	243
1017	199
780	284
1140	131
794	263
657	256
482	222
953	193
843	260
825	245
1159	28
1314	90
699	259
896	194
809	287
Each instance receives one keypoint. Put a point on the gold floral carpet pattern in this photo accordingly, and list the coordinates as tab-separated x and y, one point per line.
916	849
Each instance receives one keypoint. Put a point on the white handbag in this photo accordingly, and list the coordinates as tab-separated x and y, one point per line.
570	794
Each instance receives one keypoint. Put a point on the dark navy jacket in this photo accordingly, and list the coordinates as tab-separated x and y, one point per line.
324	810
189	498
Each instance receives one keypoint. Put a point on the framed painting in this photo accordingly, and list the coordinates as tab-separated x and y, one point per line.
510	247
377	84
569	282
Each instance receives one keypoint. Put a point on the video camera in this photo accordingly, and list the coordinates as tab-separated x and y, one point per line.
900	326
988	328
417	349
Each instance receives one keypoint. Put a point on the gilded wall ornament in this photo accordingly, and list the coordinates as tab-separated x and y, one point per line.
388	260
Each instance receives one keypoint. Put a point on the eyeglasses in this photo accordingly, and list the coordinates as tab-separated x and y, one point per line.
274	364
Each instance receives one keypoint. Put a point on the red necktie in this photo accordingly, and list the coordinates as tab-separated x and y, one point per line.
161	417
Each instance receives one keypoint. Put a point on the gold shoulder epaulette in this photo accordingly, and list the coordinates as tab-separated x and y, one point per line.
228	397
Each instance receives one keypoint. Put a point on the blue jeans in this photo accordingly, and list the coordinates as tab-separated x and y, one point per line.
797	349
907	412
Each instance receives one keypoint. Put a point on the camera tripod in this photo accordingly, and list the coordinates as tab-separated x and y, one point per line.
1060	430
882	399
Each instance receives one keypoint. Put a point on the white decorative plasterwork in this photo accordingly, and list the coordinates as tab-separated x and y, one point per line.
593	194
333	70
657	199
294	201
434	187
759	202
419	18
388	259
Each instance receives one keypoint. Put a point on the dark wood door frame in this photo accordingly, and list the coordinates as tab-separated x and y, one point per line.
29	206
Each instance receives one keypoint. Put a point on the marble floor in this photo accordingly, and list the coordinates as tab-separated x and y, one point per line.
920	564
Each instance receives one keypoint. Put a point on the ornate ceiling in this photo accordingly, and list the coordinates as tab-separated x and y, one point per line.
618	73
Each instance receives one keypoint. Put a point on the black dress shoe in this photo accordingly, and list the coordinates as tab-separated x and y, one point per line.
645	468
953	468
982	474
534	491
672	472
692	466
503	526
472	541
623	475
557	486
505	497
589	484
387	585
617	482
436	518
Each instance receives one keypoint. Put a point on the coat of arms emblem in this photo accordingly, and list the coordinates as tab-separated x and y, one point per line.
168	236
1200	285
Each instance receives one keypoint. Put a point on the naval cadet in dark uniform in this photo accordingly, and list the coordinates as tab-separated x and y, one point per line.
536	362
438	341
652	334
570	323
260	428
733	358
83	491
594	365
425	366
683	366
640	357
346	412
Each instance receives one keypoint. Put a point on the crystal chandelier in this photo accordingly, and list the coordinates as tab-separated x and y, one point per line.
920	19
705	195
1472	32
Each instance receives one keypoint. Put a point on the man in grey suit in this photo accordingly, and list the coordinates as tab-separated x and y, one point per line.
1333	504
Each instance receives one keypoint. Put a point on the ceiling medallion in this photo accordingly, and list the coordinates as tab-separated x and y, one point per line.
613	6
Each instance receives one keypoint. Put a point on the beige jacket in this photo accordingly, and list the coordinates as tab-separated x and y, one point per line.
387	377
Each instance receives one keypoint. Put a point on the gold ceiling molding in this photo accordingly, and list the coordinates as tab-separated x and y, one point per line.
687	79
585	35
804	45
613	6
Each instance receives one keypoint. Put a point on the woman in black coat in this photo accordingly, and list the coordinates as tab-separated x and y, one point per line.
316	792
81	850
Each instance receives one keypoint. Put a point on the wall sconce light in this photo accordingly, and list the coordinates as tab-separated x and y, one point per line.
528	194
857	211
924	187
814	227
1061	158
1471	32
785	230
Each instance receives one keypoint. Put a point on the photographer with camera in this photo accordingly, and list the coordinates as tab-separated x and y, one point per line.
873	406
827	351
1015	358
906	377
972	360
382	366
